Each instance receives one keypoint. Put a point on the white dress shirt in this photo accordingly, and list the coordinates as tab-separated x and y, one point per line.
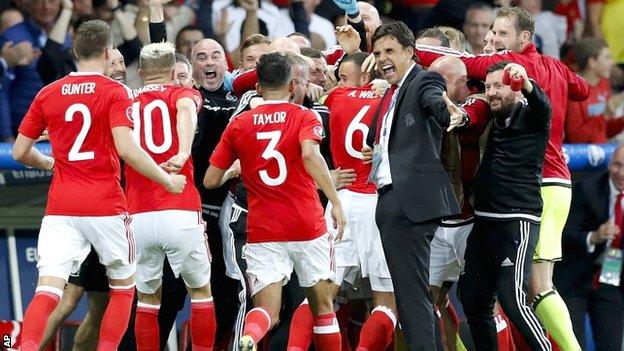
383	172
613	193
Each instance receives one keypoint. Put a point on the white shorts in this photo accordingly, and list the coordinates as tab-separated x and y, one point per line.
227	236
360	253
447	253
273	262
178	234
65	241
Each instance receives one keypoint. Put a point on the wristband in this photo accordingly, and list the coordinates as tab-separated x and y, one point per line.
353	15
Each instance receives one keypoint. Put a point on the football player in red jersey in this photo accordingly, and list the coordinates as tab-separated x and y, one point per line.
87	116
277	144
359	254
165	117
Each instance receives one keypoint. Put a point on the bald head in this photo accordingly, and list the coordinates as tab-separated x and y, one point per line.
209	64
284	44
454	72
371	19
616	168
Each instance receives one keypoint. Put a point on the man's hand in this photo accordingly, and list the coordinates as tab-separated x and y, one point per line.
339	220
457	115
234	170
349	6
158	2
67	5
349	39
176	183
44	136
315	91
250	5
517	71
342	178
369	64
605	232
20	54
175	163
380	86
367	154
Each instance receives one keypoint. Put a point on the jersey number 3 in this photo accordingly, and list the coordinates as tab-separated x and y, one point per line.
271	153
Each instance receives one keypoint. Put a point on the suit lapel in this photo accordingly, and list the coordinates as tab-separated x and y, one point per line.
403	89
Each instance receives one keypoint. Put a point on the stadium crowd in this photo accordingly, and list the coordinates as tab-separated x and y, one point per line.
277	152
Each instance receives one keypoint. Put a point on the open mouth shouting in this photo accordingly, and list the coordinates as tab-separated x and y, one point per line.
389	72
211	73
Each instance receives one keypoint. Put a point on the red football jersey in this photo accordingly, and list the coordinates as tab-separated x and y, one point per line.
155	120
283	201
351	111
79	112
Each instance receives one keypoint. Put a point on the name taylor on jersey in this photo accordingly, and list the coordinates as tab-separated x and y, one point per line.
261	119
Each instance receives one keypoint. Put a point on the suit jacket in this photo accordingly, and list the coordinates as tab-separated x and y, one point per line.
420	119
589	210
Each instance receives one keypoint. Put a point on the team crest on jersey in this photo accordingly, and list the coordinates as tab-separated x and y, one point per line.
230	97
129	114
319	131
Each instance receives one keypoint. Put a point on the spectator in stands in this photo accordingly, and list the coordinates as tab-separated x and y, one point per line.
22	83
432	37
320	28
550	29
457	39
56	60
10	17
604	20
318	73
370	17
240	13
593	230
301	39
251	49
479	19
592	121
187	38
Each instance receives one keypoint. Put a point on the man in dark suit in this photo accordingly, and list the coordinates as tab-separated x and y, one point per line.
592	236
414	190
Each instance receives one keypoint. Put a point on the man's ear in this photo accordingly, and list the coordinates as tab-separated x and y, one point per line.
365	78
258	89
107	53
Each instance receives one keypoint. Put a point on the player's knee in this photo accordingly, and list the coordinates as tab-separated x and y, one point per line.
200	293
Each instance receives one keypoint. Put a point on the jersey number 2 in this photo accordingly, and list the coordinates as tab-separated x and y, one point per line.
269	153
74	153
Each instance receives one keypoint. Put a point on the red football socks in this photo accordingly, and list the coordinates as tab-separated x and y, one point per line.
378	330
116	317
146	327
327	333
203	324
43	303
257	323
301	333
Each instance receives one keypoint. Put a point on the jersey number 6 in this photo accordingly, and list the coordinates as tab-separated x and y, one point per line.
355	125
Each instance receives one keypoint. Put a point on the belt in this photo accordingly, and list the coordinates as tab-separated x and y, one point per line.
384	189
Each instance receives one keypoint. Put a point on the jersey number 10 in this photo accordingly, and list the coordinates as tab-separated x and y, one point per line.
148	126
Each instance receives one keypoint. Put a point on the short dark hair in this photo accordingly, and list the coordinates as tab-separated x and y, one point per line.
254	39
479	6
498	66
182	58
588	48
312	53
91	39
274	70
524	20
357	58
397	30
435	33
190	27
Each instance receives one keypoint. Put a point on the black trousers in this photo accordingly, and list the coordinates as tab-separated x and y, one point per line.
498	263
406	246
606	315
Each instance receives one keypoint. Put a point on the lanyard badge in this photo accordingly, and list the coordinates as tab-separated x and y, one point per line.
611	267
372	177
